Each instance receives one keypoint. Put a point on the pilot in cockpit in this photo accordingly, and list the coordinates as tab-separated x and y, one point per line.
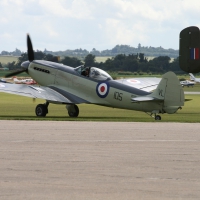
93	73
85	72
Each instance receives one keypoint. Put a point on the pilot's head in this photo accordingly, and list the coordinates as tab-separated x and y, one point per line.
87	71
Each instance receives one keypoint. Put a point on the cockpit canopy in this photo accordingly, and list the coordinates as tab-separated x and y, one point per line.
93	72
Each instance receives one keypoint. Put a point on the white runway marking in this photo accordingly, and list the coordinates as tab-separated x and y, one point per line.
63	141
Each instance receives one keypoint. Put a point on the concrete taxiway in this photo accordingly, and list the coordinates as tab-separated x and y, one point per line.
99	160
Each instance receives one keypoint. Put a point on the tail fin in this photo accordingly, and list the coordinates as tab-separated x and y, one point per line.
170	90
192	77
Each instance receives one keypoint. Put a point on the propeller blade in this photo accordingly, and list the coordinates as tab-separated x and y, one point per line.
25	64
30	49
15	73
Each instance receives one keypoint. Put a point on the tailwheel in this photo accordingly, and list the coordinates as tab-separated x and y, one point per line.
73	110
157	117
41	110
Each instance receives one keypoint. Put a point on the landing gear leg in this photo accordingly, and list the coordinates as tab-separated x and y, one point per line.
73	110
42	109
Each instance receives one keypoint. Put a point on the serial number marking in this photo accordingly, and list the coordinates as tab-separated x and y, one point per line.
118	96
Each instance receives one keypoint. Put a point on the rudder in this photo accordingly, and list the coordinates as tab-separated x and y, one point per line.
170	91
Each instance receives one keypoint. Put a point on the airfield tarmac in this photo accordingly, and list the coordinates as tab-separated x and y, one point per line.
99	160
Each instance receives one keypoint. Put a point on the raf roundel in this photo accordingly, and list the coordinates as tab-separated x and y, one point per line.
102	89
133	81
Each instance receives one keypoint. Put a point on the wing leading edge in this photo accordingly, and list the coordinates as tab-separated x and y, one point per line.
41	92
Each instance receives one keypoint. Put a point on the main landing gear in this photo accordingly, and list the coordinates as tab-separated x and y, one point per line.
41	110
73	110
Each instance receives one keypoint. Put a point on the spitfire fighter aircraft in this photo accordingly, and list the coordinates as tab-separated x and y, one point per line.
61	84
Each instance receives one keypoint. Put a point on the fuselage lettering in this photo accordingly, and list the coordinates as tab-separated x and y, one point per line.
118	96
160	91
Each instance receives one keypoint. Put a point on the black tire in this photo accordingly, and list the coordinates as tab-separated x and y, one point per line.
41	110
73	112
157	117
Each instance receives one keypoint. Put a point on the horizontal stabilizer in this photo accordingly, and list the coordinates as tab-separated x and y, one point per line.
144	98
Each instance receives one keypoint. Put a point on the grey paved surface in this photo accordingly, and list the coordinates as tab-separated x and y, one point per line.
99	160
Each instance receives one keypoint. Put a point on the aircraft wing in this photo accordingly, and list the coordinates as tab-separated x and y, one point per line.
145	84
51	94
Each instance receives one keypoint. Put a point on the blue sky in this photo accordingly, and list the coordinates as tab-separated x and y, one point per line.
101	24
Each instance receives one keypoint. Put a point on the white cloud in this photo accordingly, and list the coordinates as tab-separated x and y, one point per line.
100	24
3	20
74	9
121	33
53	7
51	31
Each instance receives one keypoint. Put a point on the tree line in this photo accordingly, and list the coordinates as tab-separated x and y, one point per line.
118	49
136	63
121	62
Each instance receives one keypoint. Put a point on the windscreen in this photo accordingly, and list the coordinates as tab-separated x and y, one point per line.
99	74
93	72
